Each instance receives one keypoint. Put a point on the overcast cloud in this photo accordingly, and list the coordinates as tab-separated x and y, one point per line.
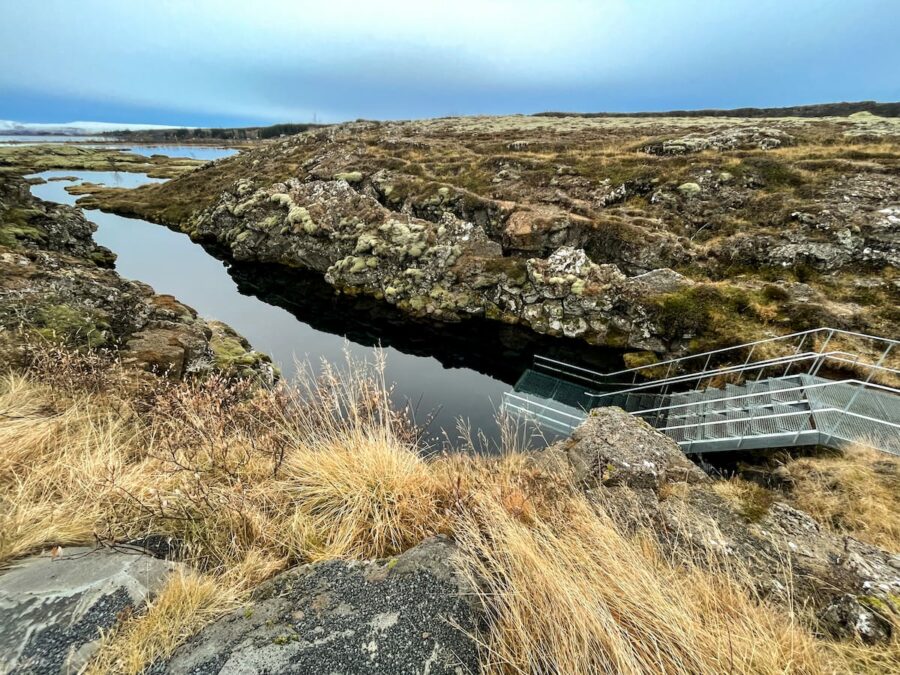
237	62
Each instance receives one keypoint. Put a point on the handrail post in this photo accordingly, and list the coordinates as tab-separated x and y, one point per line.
817	364
860	387
796	351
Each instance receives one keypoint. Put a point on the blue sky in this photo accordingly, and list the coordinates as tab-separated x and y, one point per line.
236	62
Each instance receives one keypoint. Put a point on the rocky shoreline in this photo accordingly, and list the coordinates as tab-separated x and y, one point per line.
665	235
57	286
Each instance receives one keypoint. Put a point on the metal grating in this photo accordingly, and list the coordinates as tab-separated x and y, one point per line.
758	408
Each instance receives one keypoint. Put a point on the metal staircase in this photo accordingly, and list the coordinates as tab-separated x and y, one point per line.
725	400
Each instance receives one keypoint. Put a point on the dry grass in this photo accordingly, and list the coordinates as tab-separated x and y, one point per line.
183	606
250	482
855	493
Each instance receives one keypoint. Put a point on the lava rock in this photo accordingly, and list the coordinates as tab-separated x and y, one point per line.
410	614
52	609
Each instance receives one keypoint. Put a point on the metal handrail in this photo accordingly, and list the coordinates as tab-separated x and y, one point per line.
709	354
781	415
508	395
770	392
757	365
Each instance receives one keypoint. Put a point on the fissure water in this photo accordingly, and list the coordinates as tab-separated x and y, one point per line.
443	372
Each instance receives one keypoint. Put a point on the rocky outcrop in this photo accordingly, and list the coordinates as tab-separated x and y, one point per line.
709	198
856	225
53	608
56	285
737	138
447	270
642	477
612	448
409	614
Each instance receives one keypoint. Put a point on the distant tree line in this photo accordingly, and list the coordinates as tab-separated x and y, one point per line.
233	134
818	110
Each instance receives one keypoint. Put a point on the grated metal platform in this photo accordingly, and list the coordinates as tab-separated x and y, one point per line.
766	412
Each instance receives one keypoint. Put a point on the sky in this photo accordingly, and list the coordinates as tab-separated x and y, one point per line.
240	62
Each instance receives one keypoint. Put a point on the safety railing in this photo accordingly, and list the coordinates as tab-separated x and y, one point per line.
540	413
771	366
797	341
811	398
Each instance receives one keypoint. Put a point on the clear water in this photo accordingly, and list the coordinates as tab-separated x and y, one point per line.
191	151
442	372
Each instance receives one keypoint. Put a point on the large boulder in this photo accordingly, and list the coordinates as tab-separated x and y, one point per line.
850	588
410	614
52	609
613	448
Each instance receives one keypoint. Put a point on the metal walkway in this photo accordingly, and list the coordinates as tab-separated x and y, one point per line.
806	390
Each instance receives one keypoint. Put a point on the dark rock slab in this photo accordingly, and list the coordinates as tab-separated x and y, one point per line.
410	614
53	609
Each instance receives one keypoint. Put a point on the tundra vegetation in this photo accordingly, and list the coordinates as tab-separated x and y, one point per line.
609	552
250	481
762	225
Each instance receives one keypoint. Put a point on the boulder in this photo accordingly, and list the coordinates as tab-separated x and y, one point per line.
613	448
52	609
409	614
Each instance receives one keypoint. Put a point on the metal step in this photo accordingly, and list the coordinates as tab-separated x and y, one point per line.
771	411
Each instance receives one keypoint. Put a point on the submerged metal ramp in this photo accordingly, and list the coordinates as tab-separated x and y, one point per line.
778	401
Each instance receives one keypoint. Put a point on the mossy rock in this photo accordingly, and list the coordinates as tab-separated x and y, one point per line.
232	354
351	177
72	326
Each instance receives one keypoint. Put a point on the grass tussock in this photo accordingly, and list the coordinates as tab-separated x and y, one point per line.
567	591
247	482
186	603
856	493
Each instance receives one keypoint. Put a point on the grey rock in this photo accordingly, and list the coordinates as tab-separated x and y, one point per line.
764	138
846	617
53	609
410	614
613	448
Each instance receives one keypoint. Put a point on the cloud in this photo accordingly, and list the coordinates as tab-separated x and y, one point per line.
279	59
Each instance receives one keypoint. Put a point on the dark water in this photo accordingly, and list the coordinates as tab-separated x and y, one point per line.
442	371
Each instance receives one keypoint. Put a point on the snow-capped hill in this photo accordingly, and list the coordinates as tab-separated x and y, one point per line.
72	128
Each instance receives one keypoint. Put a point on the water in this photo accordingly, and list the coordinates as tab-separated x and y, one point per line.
441	371
191	151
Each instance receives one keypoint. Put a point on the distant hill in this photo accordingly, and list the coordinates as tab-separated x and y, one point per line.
12	128
817	110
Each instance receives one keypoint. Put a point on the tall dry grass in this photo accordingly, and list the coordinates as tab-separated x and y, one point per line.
855	492
247	482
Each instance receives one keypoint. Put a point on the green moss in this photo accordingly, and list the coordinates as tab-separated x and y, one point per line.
701	310
231	354
513	268
773	173
103	257
755	502
349	176
885	606
16	227
298	215
69	325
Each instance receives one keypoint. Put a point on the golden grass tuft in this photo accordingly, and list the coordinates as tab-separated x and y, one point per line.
186	603
856	492
568	592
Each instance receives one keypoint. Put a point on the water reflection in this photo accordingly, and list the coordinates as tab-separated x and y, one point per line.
446	371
